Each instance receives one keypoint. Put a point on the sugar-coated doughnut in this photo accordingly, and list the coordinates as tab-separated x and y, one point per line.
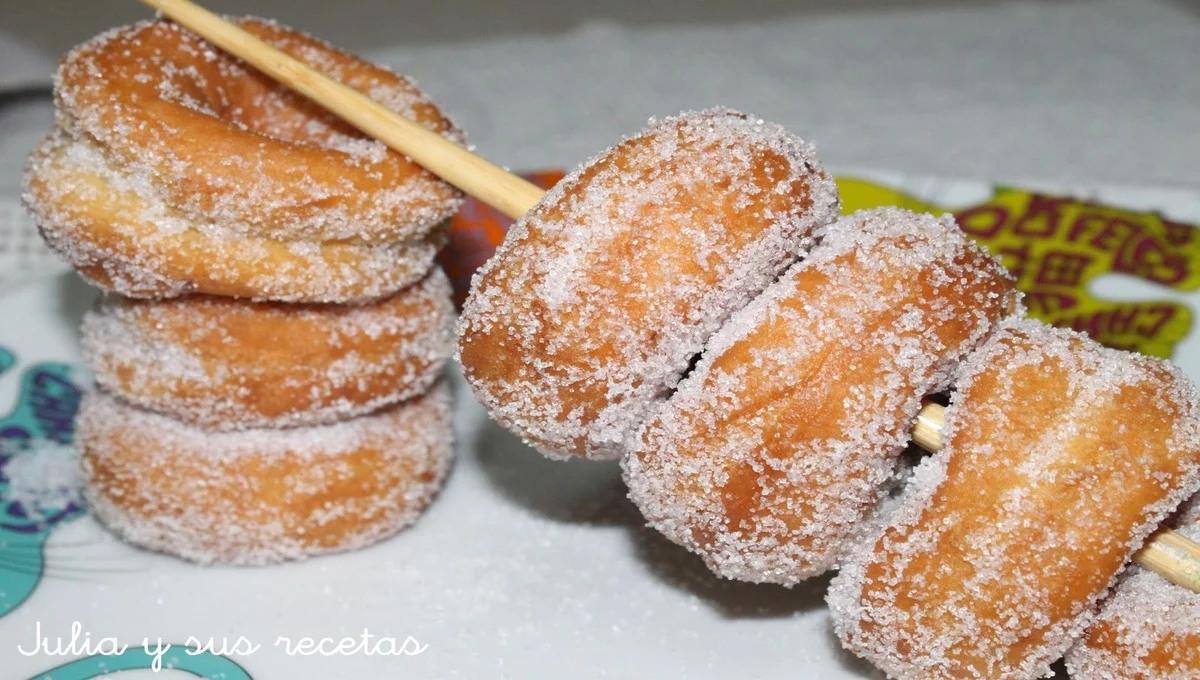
261	496
133	243
230	364
224	146
1062	456
1149	629
599	298
772	451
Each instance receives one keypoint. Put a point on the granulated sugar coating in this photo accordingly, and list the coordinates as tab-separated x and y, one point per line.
592	308
198	130
123	238
1062	457
262	496
770	454
1149	629
230	364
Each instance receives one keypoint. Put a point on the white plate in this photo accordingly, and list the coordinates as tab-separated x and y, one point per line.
523	568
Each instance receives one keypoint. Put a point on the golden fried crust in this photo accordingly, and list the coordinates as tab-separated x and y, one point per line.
227	145
262	496
124	241
597	300
771	453
1119	655
229	364
1062	458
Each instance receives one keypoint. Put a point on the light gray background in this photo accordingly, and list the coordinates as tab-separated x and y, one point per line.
1106	90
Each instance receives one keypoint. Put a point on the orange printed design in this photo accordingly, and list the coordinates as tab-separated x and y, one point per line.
1055	246
475	233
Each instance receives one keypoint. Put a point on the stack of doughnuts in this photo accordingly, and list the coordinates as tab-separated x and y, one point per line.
690	303
269	344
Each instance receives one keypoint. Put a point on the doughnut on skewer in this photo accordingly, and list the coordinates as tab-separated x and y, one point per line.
771	453
1167	553
508	193
592	308
992	561
1149	629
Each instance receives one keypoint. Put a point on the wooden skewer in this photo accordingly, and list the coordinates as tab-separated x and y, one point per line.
1167	553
